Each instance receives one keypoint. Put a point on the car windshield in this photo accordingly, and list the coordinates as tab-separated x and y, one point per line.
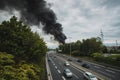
66	62
67	71
91	76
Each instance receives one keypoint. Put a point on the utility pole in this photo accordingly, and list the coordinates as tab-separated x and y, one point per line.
116	43
101	33
70	45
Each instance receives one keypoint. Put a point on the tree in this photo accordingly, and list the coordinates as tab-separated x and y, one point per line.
75	47
90	46
18	39
24	52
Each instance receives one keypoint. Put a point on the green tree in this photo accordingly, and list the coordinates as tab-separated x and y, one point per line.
75	47
90	46
26	58
18	39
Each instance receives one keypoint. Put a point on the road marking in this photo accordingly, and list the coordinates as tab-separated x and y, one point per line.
114	69
63	78
58	71
77	69
56	67
110	71
76	76
97	66
106	73
54	64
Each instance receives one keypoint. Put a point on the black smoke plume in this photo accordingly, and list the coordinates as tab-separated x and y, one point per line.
34	12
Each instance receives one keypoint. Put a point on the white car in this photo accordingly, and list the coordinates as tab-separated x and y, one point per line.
67	63
89	76
67	73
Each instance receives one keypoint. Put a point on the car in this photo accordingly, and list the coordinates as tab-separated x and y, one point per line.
89	76
49	59
79	60
85	65
67	63
69	59
67	73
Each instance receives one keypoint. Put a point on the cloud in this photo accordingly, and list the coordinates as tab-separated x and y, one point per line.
4	15
83	19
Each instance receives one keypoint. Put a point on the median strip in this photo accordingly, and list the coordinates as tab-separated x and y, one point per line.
49	75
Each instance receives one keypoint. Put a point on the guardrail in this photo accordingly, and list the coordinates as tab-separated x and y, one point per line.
48	70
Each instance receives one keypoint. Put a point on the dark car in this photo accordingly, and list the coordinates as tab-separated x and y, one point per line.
48	59
85	65
79	60
69	59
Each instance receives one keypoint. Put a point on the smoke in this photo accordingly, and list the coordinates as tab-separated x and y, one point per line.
35	11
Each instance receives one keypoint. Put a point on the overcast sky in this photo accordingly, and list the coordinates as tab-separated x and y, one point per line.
82	19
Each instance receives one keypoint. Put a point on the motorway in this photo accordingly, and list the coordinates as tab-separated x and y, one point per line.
57	66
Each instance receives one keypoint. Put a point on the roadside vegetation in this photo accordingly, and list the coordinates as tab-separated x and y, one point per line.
92	49
111	59
22	52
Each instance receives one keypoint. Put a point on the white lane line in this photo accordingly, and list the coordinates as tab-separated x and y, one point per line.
54	64
76	76
63	78
110	71
97	66
56	67
58	71
77	69
114	69
106	73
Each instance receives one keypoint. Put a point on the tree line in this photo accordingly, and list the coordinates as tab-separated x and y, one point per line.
22	52
84	47
92	48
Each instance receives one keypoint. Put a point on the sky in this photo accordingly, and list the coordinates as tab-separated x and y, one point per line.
82	19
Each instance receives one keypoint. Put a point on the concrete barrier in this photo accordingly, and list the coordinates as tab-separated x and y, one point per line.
48	70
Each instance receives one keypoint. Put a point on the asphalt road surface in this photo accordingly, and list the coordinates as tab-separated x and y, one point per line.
113	74
57	66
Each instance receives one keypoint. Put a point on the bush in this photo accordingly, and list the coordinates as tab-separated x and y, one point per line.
6	59
97	56
112	60
21	71
75	53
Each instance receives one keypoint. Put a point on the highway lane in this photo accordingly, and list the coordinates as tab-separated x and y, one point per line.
57	66
55	74
113	74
